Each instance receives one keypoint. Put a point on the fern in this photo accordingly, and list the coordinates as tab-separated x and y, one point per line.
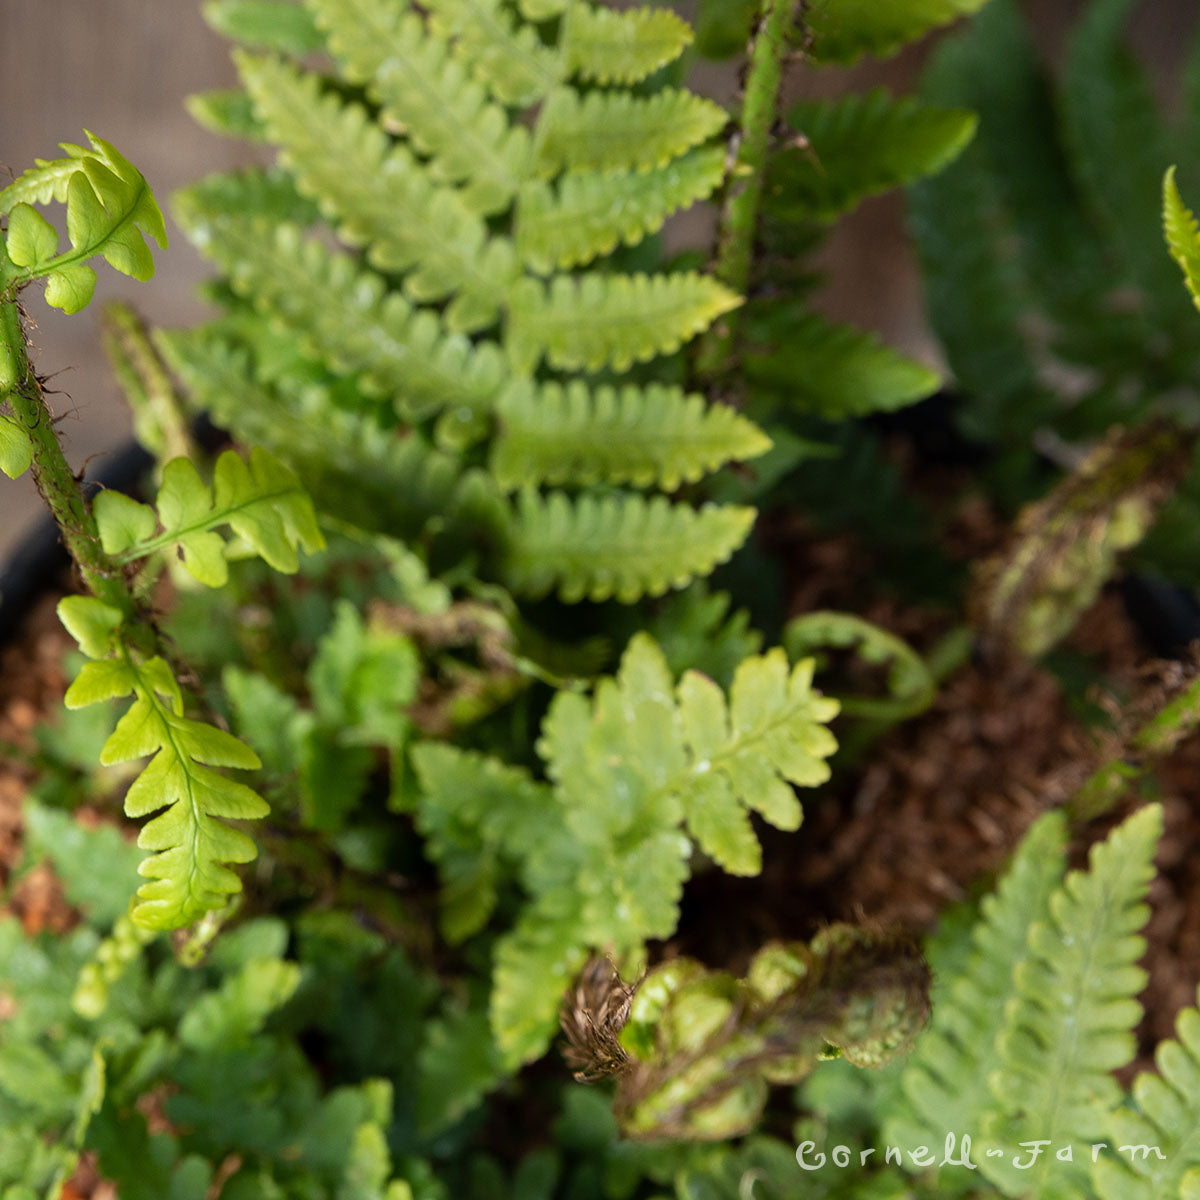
189	872
427	91
266	24
348	317
1164	1117
594	320
621	545
605	46
1182	234
945	1083
844	31
654	435
110	213
590	212
661	756
859	146
835	371
262	502
604	131
1072	1016
378	197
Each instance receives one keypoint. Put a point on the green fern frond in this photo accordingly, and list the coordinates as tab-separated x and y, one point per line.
607	46
348	463
110	213
845	31
427	92
835	371
509	59
587	213
1182	234
348	318
189	872
652	435
862	145
594	320
606	131
1165	1117
946	1080
281	25
379	197
250	192
617	545
1070	1022
226	111
262	502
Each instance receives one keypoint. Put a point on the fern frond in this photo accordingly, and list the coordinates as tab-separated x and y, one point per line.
862	145
845	31
1070	1022
587	213
509	59
281	25
251	192
379	197
226	111
617	545
110	213
348	464
427	92
608	131
653	435
189	872
607	46
595	320
836	371
1182	234
262	502
946	1079
349	319
1167	1102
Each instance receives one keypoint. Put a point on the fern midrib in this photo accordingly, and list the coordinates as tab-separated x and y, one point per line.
217	517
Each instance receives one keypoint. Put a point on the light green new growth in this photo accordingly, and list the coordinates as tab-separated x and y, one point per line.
1182	234
110	212
262	502
638	772
189	871
1070	1020
945	1083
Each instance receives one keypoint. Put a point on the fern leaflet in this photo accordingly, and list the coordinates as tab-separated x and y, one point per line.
613	130
110	212
588	212
350	319
379	197
262	502
1071	1018
844	31
859	146
617	545
426	91
946	1080
1165	1118
189	872
279	25
653	435
595	320
606	46
1182	234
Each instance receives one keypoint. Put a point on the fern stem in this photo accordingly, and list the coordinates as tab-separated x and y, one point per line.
53	475
740	215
